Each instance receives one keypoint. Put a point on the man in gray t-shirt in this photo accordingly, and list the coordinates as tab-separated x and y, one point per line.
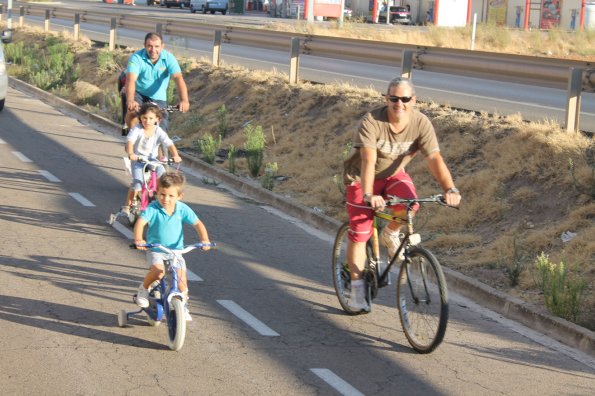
387	139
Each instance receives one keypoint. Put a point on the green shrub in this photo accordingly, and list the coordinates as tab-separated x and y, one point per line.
254	145
106	62
564	292
222	117
231	159
209	146
270	171
514	262
48	68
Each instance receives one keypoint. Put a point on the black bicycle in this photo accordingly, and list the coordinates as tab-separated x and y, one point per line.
422	296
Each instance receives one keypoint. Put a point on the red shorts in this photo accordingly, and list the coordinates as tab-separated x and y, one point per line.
361	215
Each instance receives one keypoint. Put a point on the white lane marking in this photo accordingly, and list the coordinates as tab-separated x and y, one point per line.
250	320
2	141
21	156
82	200
336	382
123	230
49	176
130	235
192	276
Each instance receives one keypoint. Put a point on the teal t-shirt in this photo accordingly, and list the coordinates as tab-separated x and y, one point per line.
153	79
165	229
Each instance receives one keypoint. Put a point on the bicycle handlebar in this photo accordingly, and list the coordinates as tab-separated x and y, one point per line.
185	249
438	198
145	160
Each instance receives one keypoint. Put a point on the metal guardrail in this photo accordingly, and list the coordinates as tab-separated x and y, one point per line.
571	75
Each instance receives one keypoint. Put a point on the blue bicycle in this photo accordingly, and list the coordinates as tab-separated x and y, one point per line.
165	299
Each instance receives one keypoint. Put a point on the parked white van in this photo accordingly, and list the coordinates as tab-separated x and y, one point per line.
211	6
6	38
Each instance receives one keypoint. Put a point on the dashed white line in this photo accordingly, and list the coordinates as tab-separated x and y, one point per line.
250	320
336	382
192	276
49	176
82	200
123	230
21	156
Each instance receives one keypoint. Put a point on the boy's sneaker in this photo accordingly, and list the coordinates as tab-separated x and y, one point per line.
392	241
142	297
187	313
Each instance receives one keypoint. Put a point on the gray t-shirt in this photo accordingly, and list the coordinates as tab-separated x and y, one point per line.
392	148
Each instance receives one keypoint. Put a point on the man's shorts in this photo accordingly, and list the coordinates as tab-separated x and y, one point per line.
361	214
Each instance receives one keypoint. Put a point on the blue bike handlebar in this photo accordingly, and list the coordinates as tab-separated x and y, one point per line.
185	249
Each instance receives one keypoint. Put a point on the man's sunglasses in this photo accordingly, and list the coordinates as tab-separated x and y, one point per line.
395	99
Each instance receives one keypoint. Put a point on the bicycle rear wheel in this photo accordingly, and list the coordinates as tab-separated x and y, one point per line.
176	324
422	299
340	268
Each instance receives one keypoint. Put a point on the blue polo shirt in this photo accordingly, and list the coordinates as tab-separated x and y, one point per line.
165	229
153	79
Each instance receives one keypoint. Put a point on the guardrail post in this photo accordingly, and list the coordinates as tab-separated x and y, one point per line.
573	104
21	16
76	29
407	64
159	29
294	62
217	48
47	21
112	35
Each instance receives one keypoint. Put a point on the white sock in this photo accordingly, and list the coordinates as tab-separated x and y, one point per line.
357	283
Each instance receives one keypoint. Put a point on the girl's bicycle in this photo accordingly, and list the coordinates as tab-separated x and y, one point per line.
422	296
165	299
149	187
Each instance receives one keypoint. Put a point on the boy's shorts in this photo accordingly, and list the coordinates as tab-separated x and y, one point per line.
156	259
361	214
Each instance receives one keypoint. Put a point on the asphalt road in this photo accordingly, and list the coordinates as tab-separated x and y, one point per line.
65	273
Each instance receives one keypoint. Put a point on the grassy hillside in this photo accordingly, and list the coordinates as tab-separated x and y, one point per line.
520	193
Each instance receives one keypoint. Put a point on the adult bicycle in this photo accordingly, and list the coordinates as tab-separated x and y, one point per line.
422	296
166	301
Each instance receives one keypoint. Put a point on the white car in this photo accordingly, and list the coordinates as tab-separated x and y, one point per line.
6	37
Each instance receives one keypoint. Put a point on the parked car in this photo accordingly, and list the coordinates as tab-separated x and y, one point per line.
6	38
398	15
175	3
211	6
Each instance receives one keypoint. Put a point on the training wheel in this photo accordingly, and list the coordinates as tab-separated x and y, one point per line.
122	318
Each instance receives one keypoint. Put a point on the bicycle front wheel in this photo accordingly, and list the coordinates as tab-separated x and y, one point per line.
340	268
422	299
176	324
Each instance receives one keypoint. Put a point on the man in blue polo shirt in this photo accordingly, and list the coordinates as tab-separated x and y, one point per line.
147	77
